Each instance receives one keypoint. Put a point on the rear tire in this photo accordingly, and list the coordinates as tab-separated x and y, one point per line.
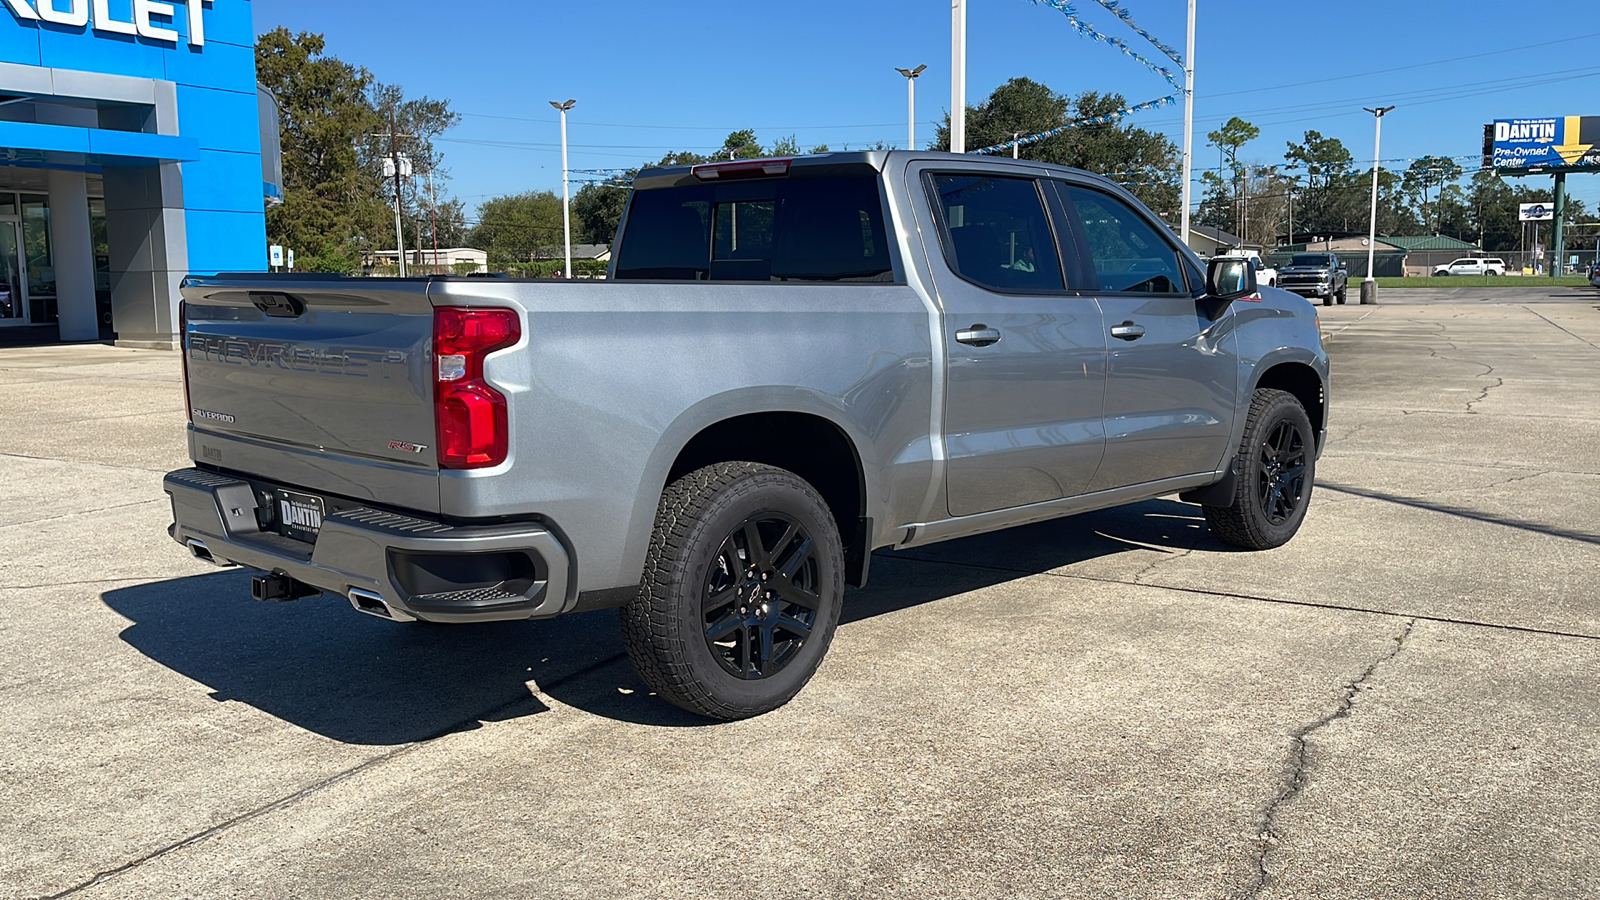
742	588
1277	467
1343	292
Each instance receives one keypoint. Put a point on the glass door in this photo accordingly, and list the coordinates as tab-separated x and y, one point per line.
13	277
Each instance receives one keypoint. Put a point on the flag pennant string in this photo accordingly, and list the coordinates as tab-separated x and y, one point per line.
1116	8
1088	31
1079	123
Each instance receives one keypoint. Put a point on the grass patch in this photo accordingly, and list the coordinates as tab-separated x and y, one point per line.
1478	281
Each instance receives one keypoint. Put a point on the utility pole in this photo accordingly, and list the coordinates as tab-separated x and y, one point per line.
433	218
394	156
1188	129
566	188
911	103
958	76
1369	287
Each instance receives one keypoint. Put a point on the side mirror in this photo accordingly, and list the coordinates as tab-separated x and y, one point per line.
1230	279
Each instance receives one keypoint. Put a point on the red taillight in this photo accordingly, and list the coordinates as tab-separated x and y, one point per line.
744	168
471	415
183	349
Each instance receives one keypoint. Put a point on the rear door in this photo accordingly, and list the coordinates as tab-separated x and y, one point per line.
324	385
1026	352
1172	370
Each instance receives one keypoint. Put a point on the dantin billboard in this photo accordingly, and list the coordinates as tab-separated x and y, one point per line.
1560	143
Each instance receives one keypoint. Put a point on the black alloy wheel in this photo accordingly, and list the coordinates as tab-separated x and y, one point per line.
1274	472
760	597
741	592
1282	480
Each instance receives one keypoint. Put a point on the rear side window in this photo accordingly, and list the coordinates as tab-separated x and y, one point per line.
794	229
996	233
1129	255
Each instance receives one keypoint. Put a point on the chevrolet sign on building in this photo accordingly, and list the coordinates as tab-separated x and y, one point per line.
1547	145
131	148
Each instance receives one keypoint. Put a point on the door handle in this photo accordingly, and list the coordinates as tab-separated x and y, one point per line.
1128	331
979	335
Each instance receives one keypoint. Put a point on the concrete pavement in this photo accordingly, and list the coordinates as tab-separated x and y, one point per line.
1401	702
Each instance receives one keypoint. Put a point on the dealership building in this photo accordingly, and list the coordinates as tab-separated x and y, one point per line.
135	148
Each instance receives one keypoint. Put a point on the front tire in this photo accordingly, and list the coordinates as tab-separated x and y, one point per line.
742	588
1277	467
1343	292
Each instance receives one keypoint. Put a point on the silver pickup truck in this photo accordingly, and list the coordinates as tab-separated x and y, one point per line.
794	362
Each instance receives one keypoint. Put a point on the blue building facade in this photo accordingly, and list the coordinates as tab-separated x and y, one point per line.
131	154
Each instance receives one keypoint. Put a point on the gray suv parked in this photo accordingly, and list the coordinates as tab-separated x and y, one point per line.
794	363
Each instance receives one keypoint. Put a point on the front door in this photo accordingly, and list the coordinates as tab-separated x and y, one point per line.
1172	370
13	276
1026	355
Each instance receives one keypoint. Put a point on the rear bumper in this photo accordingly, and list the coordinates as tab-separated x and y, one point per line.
421	569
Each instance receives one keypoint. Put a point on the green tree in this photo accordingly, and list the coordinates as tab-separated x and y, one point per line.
1331	199
1146	161
1422	177
517	228
1229	139
596	211
330	204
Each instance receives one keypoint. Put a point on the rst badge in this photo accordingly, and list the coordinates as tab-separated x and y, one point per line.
407	446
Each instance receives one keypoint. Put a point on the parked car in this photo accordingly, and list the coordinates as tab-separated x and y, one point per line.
1473	265
795	362
1266	276
1594	276
1313	275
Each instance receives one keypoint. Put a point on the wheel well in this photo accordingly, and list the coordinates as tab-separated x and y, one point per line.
809	446
1300	380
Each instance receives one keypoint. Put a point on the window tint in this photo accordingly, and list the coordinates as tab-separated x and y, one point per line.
798	229
996	233
1129	255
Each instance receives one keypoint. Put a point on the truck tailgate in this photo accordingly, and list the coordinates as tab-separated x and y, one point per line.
313	384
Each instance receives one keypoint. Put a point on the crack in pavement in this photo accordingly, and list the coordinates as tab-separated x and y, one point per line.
1267	838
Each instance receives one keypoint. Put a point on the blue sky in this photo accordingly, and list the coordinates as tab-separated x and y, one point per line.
650	77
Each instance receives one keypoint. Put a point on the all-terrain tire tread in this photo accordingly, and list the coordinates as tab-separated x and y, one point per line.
656	653
1233	524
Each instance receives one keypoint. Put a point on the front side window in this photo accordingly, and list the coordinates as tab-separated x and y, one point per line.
996	233
1128	253
794	229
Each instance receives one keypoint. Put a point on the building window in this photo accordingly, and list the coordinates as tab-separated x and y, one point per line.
36	247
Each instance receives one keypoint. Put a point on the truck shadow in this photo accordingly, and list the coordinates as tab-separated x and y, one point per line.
318	665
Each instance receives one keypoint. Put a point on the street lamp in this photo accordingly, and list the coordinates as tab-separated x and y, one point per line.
566	199
911	103
1369	287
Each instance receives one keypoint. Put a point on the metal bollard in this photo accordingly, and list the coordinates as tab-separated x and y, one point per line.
1369	293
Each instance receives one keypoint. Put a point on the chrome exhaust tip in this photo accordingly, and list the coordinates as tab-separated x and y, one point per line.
374	605
200	551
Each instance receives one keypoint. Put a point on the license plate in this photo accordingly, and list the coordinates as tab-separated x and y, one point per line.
299	515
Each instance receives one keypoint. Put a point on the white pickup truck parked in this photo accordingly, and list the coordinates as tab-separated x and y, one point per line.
795	362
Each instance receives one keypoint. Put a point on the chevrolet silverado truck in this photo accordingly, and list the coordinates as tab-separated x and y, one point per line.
794	363
1314	275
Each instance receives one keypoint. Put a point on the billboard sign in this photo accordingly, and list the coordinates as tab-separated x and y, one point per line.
1536	212
1546	145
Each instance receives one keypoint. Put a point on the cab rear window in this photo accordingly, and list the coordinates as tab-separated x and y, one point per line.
793	229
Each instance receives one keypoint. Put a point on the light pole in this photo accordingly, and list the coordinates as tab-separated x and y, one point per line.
1188	128
911	103
1369	287
566	199
958	76
1015	146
